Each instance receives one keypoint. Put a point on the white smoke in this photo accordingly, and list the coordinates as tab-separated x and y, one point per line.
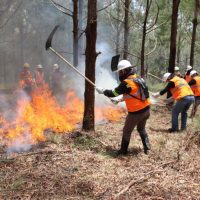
10	112
20	144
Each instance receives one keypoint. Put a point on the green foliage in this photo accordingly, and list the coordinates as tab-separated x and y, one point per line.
86	142
55	138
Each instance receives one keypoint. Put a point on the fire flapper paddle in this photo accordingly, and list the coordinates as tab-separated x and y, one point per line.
114	63
49	47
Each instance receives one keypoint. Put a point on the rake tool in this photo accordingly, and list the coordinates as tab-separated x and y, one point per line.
49	47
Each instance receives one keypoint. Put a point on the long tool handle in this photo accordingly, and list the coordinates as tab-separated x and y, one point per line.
155	76
66	61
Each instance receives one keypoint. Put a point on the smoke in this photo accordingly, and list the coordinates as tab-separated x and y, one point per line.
20	144
10	110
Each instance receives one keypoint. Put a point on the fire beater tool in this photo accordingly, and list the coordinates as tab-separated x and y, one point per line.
114	63
49	47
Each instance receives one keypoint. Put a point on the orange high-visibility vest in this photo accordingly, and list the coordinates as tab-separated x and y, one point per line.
196	87
187	78
134	104
25	78
39	78
181	89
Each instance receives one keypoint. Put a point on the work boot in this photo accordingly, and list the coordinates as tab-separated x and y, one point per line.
146	144
124	147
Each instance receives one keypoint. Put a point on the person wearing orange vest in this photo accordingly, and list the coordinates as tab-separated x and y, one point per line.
187	74
195	85
177	72
137	106
182	94
26	80
39	76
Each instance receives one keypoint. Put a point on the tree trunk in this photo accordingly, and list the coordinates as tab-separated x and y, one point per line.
126	28
195	23
148	4
75	33
172	56
90	52
118	28
179	49
80	28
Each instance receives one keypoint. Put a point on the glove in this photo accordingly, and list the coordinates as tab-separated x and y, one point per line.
156	95
100	90
117	100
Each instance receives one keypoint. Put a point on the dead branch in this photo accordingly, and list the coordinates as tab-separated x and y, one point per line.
144	177
60	8
106	6
41	152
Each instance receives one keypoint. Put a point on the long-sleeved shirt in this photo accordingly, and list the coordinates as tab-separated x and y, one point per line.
192	82
169	86
122	88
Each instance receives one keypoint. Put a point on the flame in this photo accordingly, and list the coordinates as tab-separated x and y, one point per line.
42	113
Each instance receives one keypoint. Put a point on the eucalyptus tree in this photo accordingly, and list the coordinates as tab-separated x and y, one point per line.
90	60
174	20
195	23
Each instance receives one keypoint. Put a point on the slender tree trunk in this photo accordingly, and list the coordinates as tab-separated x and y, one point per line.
179	49
75	32
126	28
118	27
195	23
91	36
80	25
172	56
144	29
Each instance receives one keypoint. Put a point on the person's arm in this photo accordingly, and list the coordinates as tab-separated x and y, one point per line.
169	86
121	89
192	82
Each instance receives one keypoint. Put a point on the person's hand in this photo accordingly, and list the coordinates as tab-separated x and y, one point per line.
115	101
169	100
100	90
156	94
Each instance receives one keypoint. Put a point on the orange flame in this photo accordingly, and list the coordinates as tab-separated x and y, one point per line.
43	113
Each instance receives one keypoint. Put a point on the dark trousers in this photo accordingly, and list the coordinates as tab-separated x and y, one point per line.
135	120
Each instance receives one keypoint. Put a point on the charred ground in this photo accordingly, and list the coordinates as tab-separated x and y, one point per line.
82	165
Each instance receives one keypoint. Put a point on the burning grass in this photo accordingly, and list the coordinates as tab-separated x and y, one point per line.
33	118
83	166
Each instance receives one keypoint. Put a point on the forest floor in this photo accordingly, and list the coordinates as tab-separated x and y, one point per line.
83	166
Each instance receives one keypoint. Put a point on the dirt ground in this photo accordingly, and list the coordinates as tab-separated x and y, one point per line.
83	166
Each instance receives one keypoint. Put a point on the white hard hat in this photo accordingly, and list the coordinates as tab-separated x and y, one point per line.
166	76
189	67
39	66
55	66
26	65
123	64
193	72
176	68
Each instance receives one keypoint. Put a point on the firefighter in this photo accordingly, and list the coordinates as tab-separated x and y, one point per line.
182	94
195	85
26	80
170	104
187	74
138	108
39	76
177	72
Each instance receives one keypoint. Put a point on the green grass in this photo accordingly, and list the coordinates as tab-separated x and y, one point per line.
86	142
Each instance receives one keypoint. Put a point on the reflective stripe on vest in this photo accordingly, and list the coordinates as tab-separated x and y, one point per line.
181	89
134	104
196	87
